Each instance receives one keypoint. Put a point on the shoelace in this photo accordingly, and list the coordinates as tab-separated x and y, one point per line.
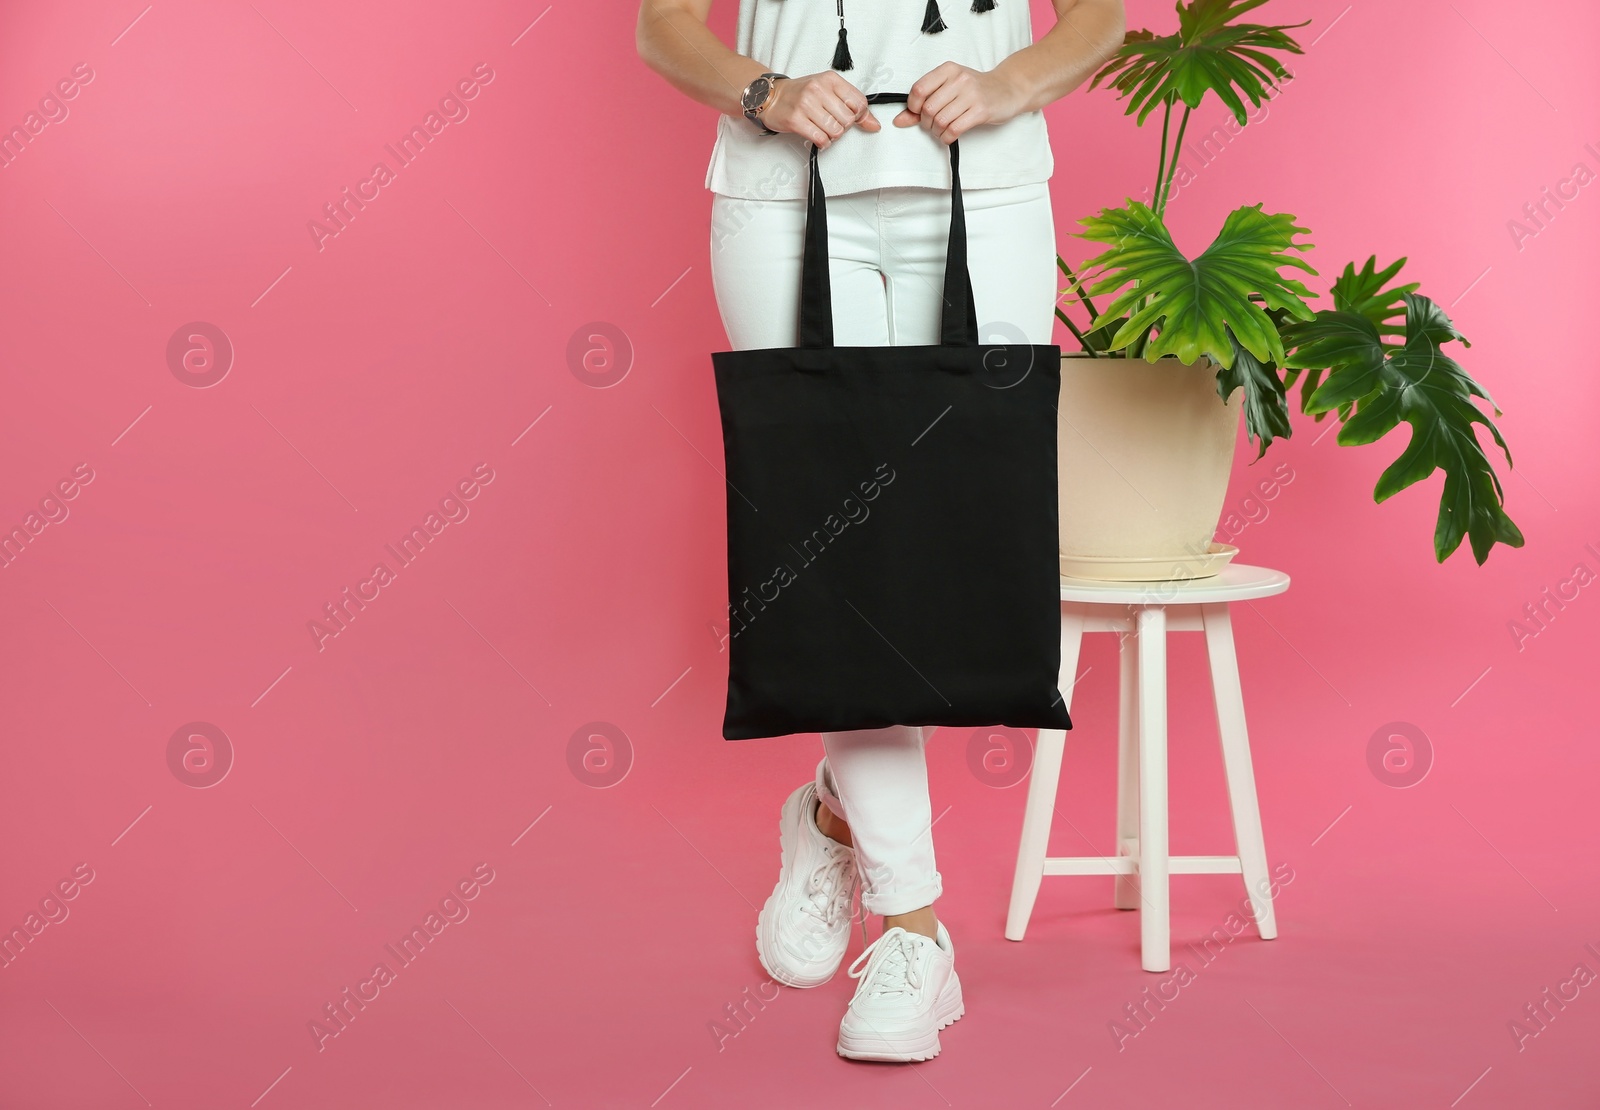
827	891
890	965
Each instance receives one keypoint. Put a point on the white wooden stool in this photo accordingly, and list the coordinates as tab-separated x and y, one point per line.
1143	612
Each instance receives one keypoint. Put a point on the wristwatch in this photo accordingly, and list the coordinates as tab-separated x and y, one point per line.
757	97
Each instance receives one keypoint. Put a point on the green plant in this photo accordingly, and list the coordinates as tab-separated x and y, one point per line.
1374	359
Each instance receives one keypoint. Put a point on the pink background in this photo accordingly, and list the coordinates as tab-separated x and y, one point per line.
431	335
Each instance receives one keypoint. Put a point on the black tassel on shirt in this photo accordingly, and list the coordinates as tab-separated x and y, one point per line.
932	23
841	53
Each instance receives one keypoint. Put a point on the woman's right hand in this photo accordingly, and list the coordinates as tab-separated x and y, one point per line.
819	107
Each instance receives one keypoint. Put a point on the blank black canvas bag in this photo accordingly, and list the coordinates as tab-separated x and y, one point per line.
892	520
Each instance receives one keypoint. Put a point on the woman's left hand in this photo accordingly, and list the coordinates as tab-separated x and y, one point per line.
950	100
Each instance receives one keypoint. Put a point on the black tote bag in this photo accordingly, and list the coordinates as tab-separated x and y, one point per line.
892	519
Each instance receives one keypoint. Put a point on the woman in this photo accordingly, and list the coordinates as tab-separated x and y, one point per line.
972	73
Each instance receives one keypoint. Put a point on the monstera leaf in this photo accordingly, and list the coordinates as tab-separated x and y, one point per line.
1363	293
1415	381
1208	54
1198	307
1266	408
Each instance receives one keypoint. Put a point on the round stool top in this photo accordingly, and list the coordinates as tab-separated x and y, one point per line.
1235	582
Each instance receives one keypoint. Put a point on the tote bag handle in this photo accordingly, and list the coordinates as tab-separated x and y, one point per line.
959	318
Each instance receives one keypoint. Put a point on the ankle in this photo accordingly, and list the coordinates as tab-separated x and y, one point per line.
832	826
920	921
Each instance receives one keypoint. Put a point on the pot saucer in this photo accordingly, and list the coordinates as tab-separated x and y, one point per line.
1148	568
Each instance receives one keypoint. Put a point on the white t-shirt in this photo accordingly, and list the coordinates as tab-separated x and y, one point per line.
890	52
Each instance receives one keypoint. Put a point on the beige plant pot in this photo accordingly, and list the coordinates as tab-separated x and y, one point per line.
1144	451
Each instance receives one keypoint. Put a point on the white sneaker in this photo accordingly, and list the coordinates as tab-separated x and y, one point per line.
804	928
908	992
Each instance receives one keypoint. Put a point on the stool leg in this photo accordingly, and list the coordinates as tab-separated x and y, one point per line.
1229	696
1043	780
1126	892
1155	926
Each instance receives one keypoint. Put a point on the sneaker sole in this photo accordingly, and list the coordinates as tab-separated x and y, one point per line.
786	822
906	1050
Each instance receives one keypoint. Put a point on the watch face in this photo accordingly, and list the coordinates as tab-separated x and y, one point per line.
756	95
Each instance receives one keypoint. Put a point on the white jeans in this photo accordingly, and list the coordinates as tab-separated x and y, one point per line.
886	263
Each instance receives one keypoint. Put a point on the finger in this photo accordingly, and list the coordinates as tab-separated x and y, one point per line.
947	129
961	106
820	118
938	103
959	126
926	84
946	119
838	116
806	125
852	96
866	120
855	110
825	124
907	118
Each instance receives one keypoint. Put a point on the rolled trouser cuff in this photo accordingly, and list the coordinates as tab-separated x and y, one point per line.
887	902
